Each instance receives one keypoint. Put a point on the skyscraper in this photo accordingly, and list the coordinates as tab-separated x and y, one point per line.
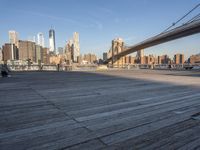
40	39
105	56
52	44
10	52
27	50
164	59
13	37
76	46
60	50
140	56
38	52
179	58
69	49
90	58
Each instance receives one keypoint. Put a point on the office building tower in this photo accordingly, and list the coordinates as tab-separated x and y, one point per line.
27	50
179	58
60	50
13	37
132	60
80	59
76	51
40	39
52	44
164	59
10	52
140	56
194	59
90	58
38	50
68	51
44	56
151	60
105	56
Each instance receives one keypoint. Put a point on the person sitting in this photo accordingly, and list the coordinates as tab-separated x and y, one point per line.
4	71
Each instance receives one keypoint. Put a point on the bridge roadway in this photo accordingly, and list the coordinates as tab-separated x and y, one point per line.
139	109
179	32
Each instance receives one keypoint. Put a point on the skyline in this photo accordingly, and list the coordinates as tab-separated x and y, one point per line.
99	22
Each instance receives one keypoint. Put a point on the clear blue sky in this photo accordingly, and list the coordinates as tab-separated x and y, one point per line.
98	22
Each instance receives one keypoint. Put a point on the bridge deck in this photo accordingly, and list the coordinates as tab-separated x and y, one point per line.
108	110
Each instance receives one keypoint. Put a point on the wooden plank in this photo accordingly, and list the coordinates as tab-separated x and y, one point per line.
45	136
146	140
103	91
19	106
39	130
130	124
88	145
143	118
60	140
150	106
33	123
25	109
177	140
101	100
195	144
126	104
136	131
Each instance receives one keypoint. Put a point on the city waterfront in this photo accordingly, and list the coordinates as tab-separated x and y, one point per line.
118	109
100	75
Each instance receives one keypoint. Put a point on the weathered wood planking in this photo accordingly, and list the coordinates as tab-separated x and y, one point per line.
79	110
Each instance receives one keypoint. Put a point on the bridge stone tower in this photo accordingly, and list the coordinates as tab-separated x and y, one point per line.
117	47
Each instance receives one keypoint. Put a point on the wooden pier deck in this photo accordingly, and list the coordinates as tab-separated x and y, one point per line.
139	109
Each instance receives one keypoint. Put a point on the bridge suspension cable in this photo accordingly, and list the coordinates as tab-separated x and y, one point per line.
195	18
173	24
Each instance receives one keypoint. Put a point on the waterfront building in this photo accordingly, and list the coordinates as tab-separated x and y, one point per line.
194	59
164	59
38	54
179	58
45	55
9	52
27	50
105	56
140	56
90	58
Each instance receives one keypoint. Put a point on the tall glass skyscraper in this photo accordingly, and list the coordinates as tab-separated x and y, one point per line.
52	44
40	39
